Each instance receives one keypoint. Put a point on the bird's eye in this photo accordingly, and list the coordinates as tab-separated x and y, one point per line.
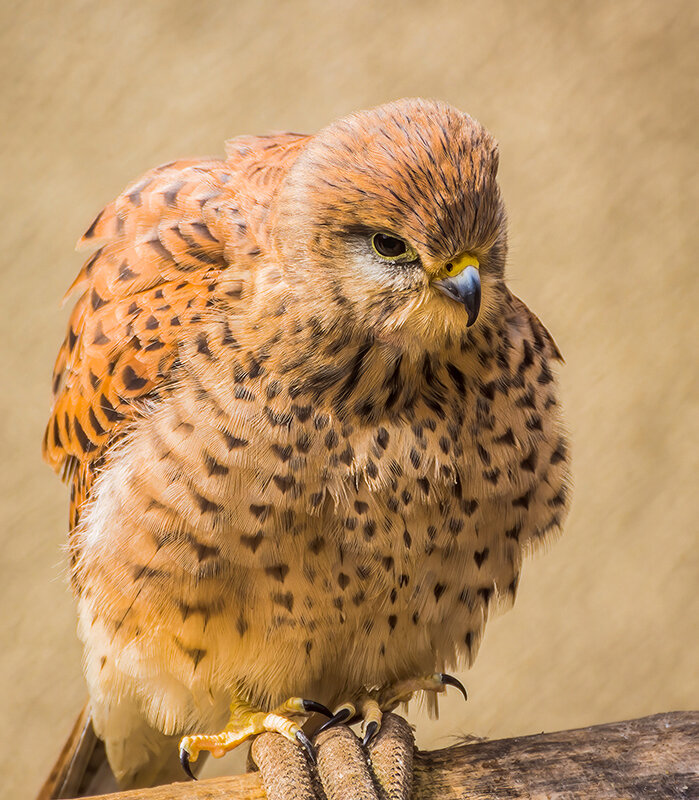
392	248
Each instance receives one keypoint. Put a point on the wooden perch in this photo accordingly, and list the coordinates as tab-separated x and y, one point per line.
652	757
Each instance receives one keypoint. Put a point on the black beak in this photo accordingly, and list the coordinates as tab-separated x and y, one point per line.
464	288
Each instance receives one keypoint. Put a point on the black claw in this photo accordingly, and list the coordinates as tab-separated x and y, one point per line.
370	732
319	708
450	680
306	742
342	715
184	760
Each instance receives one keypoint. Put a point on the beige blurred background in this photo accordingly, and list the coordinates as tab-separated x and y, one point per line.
596	111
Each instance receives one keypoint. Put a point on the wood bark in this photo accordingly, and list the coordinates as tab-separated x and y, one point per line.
642	759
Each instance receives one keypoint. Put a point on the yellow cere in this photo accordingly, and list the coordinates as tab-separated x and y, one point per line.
458	265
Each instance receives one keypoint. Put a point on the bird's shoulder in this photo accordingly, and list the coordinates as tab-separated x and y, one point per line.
522	324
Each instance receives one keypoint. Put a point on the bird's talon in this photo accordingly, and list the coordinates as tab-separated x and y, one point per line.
184	760
307	745
312	707
371	730
341	716
450	680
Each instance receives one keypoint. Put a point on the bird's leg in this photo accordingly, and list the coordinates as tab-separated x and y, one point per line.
391	696
401	692
246	721
371	705
366	708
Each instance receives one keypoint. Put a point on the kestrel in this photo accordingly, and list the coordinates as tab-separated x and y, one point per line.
309	433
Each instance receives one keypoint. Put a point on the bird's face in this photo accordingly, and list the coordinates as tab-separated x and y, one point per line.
393	219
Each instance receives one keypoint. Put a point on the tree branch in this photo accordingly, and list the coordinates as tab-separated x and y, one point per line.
652	757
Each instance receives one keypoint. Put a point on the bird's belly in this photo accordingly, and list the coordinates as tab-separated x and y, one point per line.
314	565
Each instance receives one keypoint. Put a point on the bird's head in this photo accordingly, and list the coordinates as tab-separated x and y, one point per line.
392	218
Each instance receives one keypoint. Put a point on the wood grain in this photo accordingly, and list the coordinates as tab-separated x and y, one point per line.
651	757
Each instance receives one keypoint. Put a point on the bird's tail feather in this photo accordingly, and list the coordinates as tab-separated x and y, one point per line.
141	755
81	769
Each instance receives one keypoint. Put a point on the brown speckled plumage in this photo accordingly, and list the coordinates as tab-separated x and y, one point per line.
294	469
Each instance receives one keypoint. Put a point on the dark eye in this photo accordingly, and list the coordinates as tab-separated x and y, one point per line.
388	246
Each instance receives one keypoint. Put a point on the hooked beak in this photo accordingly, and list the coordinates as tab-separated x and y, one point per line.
462	283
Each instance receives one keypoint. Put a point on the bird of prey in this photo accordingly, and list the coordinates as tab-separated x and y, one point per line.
308	431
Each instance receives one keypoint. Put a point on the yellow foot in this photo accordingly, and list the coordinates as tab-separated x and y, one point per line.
371	706
246	721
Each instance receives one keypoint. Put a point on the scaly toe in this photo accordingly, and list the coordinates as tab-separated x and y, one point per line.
246	722
372	715
299	705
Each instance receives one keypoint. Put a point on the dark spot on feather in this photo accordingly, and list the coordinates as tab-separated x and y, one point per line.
278	572
316	499
213	467
206	506
282	453
529	463
100	337
160	249
455	526
195	653
469	507
558	454
483	454
534	423
96	301
514	532
488	390
285	600
302	413
131	380
559	499
284	482
252	542
485	593
203	230
90	232
507	438
457	378
170	193
97	428
203	345
523	500
527	359
233	442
